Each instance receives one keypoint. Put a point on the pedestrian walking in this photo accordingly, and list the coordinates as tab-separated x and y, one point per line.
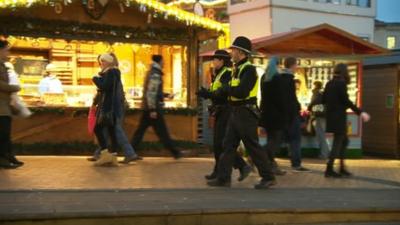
336	100
7	155
317	110
273	116
115	133
292	113
152	105
243	120
220	110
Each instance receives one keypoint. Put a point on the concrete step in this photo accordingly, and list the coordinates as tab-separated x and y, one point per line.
201	207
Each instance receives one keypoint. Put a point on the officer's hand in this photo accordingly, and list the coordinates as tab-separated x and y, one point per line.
203	93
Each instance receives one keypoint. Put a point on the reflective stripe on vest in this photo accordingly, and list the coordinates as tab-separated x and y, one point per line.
236	81
217	82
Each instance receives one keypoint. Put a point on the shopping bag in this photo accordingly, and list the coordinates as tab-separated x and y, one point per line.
18	107
91	120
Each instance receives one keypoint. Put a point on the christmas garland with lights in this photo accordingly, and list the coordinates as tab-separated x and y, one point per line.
35	27
153	7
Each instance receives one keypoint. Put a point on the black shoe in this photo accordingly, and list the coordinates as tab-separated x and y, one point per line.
211	176
345	173
265	184
178	155
333	174
300	169
219	183
92	159
244	172
129	159
16	162
9	165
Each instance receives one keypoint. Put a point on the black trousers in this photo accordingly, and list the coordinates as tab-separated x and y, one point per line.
104	138
339	146
159	127
242	126
221	121
6	151
275	138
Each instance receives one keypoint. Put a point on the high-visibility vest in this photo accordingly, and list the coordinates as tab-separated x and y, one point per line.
217	82
236	81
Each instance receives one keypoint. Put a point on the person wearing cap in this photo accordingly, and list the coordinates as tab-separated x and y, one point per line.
7	156
152	105
50	83
243	121
220	110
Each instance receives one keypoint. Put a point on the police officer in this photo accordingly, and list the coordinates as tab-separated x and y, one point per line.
221	110
243	121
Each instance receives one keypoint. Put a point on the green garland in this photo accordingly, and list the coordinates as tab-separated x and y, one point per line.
71	30
76	112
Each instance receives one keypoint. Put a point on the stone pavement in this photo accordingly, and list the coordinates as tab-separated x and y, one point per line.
70	190
58	173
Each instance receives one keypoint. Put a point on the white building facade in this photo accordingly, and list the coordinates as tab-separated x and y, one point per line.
258	18
387	35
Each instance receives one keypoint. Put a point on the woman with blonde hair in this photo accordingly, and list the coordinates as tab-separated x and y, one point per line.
110	111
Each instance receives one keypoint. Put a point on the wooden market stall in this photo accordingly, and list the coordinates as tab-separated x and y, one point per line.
71	34
319	49
381	88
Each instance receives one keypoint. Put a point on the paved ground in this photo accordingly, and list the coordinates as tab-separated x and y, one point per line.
71	187
58	173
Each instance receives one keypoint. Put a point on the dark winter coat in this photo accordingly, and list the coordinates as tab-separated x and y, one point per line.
336	101
291	105
273	104
110	92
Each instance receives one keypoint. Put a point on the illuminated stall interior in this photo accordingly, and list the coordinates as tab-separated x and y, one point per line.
71	35
76	64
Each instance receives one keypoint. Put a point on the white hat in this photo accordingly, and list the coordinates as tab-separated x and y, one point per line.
51	67
9	65
107	58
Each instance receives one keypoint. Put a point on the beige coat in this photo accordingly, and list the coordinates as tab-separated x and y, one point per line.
5	91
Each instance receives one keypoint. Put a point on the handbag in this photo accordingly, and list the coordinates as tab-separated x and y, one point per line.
107	118
318	110
91	120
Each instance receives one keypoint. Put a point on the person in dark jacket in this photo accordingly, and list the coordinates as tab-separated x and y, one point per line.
119	139
152	105
7	155
110	102
291	113
317	110
220	110
243	120
336	100
272	111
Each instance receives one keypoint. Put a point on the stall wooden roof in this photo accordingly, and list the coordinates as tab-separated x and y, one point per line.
323	40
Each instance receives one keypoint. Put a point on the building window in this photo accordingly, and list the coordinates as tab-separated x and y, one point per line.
235	2
391	42
360	3
336	2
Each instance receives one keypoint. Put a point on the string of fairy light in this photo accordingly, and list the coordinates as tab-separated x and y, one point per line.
152	7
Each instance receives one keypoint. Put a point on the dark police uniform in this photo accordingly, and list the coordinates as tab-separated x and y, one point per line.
221	110
243	121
